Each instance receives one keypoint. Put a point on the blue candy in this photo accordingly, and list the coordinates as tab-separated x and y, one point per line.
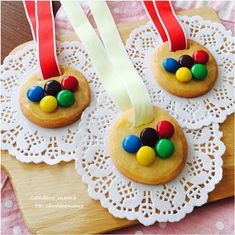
131	143
35	94
171	65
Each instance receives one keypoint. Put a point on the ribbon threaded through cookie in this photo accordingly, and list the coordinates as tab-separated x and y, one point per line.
40	17
132	84
168	26
104	67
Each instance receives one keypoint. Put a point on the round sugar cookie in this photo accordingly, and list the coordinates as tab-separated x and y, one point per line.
168	80
62	116
162	170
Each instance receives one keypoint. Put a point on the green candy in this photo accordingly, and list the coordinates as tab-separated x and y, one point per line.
199	71
65	98
164	148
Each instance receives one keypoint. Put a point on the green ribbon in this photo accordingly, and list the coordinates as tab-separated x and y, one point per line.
118	76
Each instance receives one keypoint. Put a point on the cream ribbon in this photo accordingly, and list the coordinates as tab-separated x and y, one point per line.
122	82
104	68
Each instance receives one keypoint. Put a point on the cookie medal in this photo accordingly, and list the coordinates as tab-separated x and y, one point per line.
182	67
57	95
145	143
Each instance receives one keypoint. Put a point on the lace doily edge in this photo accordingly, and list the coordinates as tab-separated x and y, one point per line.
174	218
128	41
6	147
28	45
13	153
148	223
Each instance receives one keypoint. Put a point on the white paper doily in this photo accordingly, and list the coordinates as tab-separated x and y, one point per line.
23	139
127	199
203	170
197	112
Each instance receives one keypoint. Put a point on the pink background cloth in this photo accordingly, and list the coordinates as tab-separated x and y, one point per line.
213	218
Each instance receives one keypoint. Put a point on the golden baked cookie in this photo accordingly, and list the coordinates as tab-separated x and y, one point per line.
62	116
162	170
168	80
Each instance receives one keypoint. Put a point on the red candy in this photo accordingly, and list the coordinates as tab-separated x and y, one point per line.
201	57
165	129
70	83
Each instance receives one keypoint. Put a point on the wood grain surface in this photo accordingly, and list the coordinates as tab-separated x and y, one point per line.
40	189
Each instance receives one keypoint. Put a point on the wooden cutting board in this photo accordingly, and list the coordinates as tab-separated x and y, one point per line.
40	189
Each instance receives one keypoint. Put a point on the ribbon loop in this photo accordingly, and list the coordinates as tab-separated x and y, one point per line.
124	75
141	104
167	24
104	68
150	10
41	20
31	17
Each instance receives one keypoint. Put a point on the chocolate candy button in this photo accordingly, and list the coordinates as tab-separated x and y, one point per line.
199	71
145	156
165	129
170	65
48	104
186	61
131	143
183	74
164	148
65	98
70	83
52	87
149	137
201	57
35	94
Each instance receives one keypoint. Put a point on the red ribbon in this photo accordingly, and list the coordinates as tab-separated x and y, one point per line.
41	20
150	9
166	23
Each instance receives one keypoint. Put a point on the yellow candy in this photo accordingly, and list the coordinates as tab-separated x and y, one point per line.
145	156
183	74
48	104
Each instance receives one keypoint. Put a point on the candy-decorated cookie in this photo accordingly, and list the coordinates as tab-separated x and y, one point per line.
55	102
153	153
186	73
